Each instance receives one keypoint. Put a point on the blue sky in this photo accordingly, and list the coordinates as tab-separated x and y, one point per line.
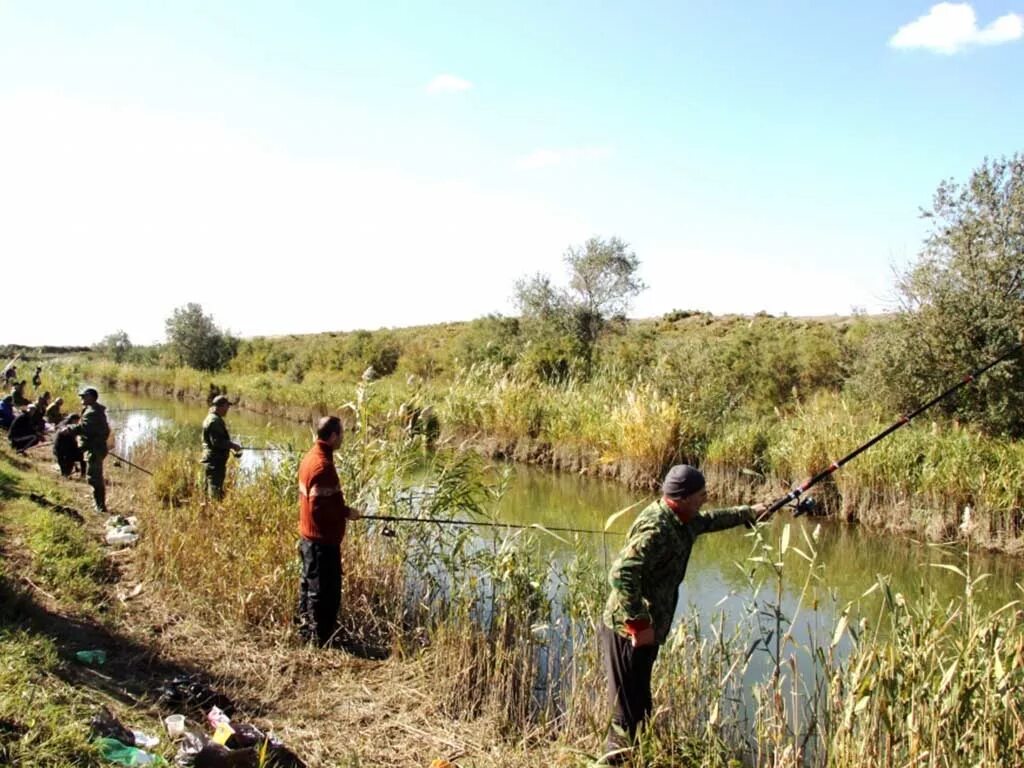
293	169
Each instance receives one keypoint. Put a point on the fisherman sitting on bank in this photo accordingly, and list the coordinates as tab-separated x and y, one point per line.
39	414
66	449
23	434
53	414
18	393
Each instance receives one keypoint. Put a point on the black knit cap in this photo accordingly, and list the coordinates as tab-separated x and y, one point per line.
682	481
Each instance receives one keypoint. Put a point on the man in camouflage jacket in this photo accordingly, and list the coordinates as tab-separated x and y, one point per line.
93	432
645	581
217	443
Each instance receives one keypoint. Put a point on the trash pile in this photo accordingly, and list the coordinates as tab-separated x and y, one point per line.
121	531
230	744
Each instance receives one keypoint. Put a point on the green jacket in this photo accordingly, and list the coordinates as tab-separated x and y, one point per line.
94	429
645	577
216	440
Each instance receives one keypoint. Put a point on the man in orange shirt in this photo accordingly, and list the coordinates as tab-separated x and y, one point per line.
322	517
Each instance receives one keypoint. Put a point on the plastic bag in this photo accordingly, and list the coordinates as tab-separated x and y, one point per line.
122	754
190	692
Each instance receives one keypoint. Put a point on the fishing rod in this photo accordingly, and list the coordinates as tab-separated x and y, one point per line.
479	523
795	494
131	464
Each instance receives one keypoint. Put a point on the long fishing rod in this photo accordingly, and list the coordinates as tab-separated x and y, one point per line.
480	523
795	494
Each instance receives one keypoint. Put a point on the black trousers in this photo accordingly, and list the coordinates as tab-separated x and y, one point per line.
629	685
319	590
94	471
24	442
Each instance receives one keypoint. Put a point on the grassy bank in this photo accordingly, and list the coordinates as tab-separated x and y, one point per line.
55	581
915	482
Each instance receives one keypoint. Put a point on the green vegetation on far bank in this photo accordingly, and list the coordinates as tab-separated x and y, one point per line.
780	397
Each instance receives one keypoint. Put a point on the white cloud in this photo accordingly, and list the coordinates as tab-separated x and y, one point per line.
448	84
545	158
951	27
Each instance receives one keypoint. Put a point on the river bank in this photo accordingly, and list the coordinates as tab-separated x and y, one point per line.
64	591
915	483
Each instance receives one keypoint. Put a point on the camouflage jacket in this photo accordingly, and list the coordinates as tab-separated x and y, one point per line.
216	440
646	575
94	429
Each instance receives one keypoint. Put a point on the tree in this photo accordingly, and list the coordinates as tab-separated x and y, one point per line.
603	276
194	340
962	303
565	324
116	345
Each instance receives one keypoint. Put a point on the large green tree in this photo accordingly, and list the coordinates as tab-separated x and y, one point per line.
195	340
564	324
962	302
116	345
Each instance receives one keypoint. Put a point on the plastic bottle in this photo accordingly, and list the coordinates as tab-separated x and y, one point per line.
92	658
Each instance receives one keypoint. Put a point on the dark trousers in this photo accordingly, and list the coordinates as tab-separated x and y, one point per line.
94	471
24	442
319	590
67	465
629	685
215	471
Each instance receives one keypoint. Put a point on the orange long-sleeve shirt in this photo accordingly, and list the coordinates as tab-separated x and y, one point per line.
322	508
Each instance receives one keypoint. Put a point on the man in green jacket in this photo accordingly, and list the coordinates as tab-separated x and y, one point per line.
217	444
645	581
93	432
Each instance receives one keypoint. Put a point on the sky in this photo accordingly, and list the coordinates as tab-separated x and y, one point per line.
325	166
